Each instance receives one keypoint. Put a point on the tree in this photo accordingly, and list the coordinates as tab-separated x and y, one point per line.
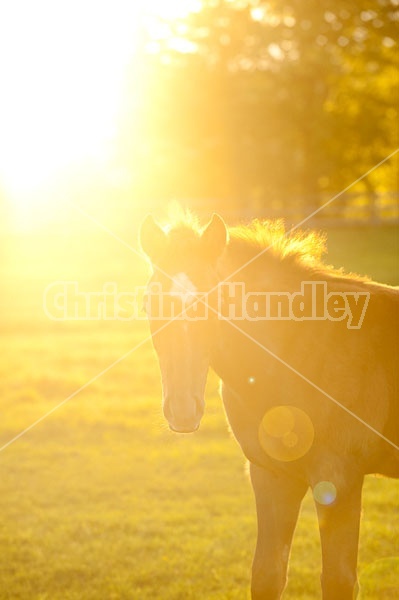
266	103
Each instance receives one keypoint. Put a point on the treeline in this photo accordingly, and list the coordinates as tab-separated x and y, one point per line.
264	103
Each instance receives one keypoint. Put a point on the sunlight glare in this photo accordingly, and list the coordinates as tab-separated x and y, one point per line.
172	9
286	433
63	67
325	492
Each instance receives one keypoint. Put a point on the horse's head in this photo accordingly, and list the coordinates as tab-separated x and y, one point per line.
184	260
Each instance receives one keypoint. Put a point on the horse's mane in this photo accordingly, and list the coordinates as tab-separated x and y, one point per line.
307	246
295	249
265	241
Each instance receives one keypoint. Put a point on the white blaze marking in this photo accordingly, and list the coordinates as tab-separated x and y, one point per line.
183	287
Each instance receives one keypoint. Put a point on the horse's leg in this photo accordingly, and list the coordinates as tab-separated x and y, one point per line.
278	499
339	534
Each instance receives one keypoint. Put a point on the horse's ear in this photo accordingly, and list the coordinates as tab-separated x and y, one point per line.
214	237
152	238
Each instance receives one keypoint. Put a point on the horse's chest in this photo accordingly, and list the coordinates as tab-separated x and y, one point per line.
244	424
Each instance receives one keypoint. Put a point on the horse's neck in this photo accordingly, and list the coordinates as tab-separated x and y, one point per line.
243	351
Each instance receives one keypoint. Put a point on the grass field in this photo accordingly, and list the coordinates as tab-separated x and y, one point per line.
99	501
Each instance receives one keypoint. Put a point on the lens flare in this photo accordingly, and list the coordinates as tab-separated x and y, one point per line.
325	492
286	433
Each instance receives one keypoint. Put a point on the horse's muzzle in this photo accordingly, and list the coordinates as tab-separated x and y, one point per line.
191	430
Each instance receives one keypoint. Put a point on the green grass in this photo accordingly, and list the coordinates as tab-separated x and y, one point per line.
99	500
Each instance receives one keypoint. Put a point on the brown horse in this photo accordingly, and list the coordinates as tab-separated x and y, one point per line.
309	376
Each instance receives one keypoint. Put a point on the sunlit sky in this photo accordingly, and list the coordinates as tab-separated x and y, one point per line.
62	70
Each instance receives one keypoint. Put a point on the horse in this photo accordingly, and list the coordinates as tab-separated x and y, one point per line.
310	388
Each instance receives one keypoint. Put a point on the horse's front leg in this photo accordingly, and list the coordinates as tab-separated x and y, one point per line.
278	500
339	533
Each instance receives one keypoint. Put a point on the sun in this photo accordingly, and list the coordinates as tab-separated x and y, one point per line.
62	69
171	9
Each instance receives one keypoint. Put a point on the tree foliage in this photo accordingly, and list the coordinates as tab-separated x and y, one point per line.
265	103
